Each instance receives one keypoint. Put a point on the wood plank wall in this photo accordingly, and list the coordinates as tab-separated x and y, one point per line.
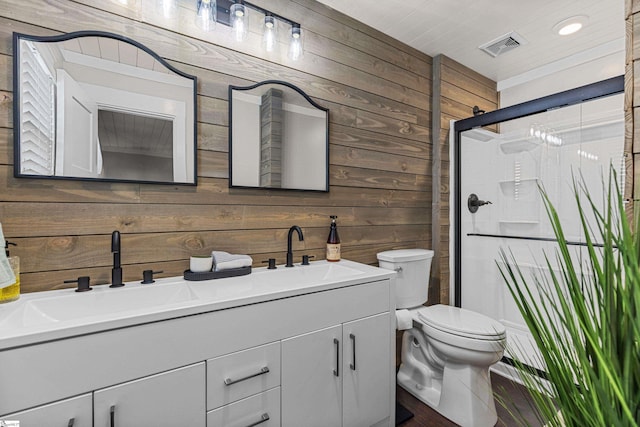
378	91
632	106
460	88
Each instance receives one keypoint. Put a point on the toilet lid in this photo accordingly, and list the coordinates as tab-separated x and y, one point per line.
458	321
405	255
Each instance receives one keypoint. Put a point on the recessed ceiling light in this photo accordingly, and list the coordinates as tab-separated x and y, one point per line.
570	25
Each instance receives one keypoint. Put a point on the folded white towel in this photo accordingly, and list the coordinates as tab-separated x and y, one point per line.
226	261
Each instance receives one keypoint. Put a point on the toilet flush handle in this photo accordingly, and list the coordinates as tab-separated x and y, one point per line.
398	270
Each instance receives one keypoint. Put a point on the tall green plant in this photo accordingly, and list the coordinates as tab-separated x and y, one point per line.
585	318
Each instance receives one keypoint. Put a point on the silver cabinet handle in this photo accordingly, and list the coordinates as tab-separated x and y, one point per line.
71	421
263	419
336	371
353	340
112	415
229	381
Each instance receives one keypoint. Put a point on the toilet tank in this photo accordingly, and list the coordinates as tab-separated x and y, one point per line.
413	267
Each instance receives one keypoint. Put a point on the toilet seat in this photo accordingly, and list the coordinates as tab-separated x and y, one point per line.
460	322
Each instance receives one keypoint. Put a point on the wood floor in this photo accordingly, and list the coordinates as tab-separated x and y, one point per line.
515	394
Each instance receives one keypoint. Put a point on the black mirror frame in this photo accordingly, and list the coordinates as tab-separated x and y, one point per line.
89	33
308	98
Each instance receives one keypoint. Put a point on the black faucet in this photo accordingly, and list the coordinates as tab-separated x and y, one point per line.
289	251
116	271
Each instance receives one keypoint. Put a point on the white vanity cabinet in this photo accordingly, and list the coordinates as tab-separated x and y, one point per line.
262	350
74	412
338	376
174	398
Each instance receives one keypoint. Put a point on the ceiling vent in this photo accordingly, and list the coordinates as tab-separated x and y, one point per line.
503	44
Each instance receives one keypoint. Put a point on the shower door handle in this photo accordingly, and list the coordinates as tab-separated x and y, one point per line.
473	203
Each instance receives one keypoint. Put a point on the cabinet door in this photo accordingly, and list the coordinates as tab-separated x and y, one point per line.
76	412
169	399
367	364
312	379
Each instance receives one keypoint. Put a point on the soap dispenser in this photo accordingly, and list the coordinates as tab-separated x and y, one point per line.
11	292
333	241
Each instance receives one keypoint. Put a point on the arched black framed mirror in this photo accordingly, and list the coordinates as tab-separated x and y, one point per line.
278	138
93	105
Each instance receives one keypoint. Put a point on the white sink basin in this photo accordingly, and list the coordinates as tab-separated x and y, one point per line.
109	301
309	274
23	316
99	302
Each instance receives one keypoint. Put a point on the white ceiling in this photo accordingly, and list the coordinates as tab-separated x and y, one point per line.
456	28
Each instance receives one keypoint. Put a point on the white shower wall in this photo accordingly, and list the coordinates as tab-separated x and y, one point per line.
506	169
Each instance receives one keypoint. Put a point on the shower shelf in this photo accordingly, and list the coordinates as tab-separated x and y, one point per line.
526	187
519	145
523	180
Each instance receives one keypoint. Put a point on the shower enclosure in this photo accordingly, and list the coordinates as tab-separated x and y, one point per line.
499	160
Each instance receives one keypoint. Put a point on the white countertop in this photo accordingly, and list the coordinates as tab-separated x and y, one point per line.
52	315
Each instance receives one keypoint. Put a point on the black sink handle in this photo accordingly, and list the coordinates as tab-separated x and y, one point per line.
83	283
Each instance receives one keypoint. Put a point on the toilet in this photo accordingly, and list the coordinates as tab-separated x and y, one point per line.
446	351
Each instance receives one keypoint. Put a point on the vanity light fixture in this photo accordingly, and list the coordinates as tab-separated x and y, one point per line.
570	25
235	14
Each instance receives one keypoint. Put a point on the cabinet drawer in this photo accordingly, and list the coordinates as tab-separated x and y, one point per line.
242	374
260	410
80	409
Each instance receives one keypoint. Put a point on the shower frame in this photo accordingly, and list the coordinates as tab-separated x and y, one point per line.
601	89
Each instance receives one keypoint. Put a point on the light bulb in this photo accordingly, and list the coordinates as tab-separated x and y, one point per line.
269	37
206	12
570	29
239	20
570	25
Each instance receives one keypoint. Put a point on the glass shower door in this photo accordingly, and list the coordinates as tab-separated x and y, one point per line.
501	173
